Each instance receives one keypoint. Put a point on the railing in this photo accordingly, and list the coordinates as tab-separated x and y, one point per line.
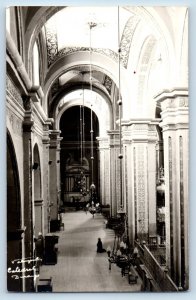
158	273
159	253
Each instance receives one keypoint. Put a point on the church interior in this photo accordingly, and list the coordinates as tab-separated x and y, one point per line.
97	121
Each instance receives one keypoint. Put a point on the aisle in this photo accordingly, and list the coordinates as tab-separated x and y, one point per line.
79	267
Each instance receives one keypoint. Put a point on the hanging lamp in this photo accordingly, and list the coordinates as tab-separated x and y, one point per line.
119	102
82	147
92	186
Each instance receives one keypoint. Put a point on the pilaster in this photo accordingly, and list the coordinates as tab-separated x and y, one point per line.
139	144
45	178
114	171
28	130
54	173
104	170
174	105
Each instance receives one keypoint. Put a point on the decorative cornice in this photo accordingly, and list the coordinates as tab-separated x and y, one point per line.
141	121
172	99
171	93
70	50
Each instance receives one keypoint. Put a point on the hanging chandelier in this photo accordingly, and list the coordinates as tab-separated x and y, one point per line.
92	186
82	181
119	102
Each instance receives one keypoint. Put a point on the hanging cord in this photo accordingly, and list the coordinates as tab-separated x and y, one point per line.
91	25
120	156
83	124
81	150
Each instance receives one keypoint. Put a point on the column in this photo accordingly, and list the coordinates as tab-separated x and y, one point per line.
139	144
174	105
54	173
114	179
28	130
45	179
104	170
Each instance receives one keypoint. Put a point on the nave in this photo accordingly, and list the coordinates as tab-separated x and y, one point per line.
97	114
79	267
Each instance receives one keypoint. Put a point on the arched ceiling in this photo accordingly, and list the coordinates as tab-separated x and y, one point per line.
68	32
66	35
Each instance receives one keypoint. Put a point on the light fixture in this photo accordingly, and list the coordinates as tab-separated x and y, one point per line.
82	180
119	102
92	187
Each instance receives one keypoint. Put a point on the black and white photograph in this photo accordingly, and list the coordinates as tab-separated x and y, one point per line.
97	127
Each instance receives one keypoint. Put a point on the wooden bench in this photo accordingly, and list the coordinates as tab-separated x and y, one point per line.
132	278
44	285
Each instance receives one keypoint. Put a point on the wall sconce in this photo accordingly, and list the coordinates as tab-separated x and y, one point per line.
50	162
35	166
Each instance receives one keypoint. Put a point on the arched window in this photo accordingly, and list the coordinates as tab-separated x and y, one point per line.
35	73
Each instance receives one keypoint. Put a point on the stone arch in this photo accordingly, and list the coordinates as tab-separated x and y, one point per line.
107	65
109	120
38	19
14	221
103	127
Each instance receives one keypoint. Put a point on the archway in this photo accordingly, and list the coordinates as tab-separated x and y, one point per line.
14	231
73	161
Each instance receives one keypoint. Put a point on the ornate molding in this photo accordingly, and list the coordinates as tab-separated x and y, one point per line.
176	97
13	92
126	39
54	55
141	190
71	50
15	122
51	42
177	102
108	84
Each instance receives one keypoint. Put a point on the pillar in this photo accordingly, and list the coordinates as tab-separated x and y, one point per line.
139	144
114	150
174	105
45	179
54	173
104	168
28	131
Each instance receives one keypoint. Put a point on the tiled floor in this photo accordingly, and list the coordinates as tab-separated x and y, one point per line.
79	267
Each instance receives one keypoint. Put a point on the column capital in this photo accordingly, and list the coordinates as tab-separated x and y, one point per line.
172	99
140	130
114	136
103	142
174	106
28	123
55	138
